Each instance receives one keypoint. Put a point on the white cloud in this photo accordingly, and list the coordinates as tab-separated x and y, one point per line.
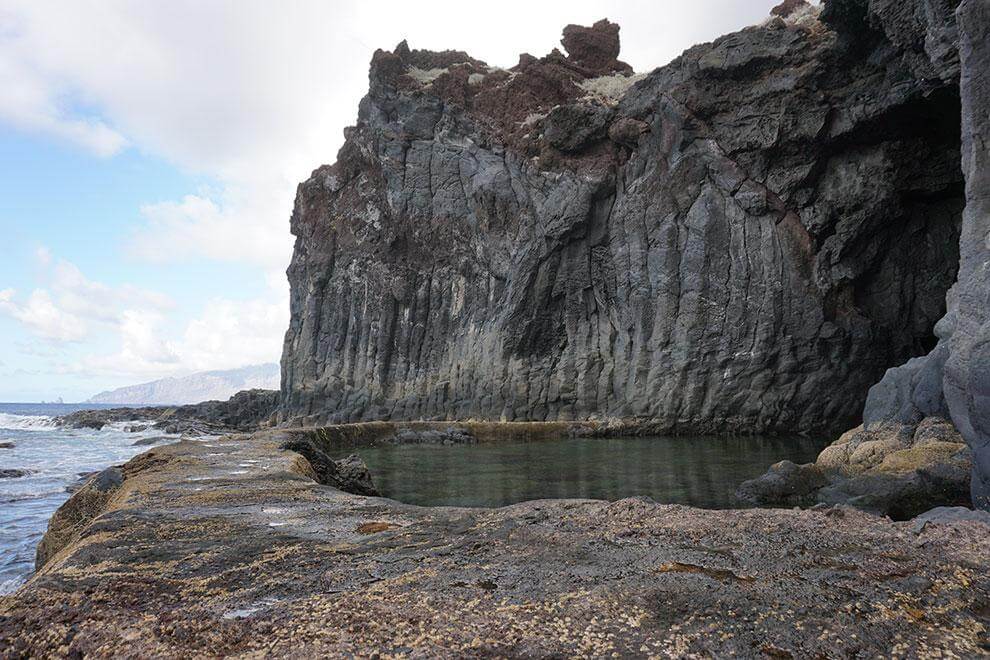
254	95
228	334
40	314
65	309
98	301
43	256
237	229
233	333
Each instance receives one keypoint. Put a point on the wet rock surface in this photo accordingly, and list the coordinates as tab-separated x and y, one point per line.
228	548
743	240
891	469
245	411
784	484
13	473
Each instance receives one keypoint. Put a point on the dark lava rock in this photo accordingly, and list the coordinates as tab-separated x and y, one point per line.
12	473
784	484
595	48
71	518
80	482
349	474
950	514
742	240
354	476
245	411
448	436
954	379
154	440
574	127
899	496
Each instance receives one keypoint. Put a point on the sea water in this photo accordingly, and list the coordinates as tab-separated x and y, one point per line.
55	458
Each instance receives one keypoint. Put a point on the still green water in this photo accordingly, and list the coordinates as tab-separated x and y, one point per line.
702	472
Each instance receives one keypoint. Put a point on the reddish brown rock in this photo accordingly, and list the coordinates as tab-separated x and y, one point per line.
788	7
595	48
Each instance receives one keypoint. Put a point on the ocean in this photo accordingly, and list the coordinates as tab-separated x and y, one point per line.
55	459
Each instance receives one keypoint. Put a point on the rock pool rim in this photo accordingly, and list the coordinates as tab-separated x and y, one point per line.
242	505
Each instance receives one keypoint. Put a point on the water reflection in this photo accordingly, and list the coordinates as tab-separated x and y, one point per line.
702	472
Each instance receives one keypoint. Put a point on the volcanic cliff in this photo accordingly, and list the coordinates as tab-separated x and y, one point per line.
742	240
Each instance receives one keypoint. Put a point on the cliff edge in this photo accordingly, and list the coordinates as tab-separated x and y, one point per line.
742	240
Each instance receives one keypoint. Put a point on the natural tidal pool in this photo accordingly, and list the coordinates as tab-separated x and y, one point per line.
701	472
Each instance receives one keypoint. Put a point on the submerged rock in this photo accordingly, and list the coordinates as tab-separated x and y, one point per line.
785	484
13	473
154	440
452	435
7	445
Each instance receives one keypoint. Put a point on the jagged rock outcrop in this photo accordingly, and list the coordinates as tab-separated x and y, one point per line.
742	240
953	381
245	411
898	470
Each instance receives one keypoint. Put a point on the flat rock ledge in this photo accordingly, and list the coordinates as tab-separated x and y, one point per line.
230	546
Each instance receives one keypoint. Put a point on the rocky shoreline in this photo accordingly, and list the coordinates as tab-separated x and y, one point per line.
245	411
745	239
233	547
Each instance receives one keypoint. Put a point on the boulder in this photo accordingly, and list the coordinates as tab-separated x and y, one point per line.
449	436
153	440
71	518
784	484
892	469
349	474
595	48
353	476
950	514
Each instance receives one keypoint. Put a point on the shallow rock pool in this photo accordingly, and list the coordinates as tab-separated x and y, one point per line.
702	472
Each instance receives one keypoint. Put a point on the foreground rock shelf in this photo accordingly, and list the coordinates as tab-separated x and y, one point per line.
230	546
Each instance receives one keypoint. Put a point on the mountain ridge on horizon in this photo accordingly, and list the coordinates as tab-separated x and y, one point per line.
193	388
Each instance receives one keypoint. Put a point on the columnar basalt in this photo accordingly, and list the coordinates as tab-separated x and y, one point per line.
741	240
953	381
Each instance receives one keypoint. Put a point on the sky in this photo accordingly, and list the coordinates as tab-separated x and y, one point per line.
150	151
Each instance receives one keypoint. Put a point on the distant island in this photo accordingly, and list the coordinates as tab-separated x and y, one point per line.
201	386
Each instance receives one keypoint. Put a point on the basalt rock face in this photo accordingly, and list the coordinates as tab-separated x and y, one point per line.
953	381
744	239
967	369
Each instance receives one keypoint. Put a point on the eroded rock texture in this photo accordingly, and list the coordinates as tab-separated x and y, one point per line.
743	239
954	379
967	371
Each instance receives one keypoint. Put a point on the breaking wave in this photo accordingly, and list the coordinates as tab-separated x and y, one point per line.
26	422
